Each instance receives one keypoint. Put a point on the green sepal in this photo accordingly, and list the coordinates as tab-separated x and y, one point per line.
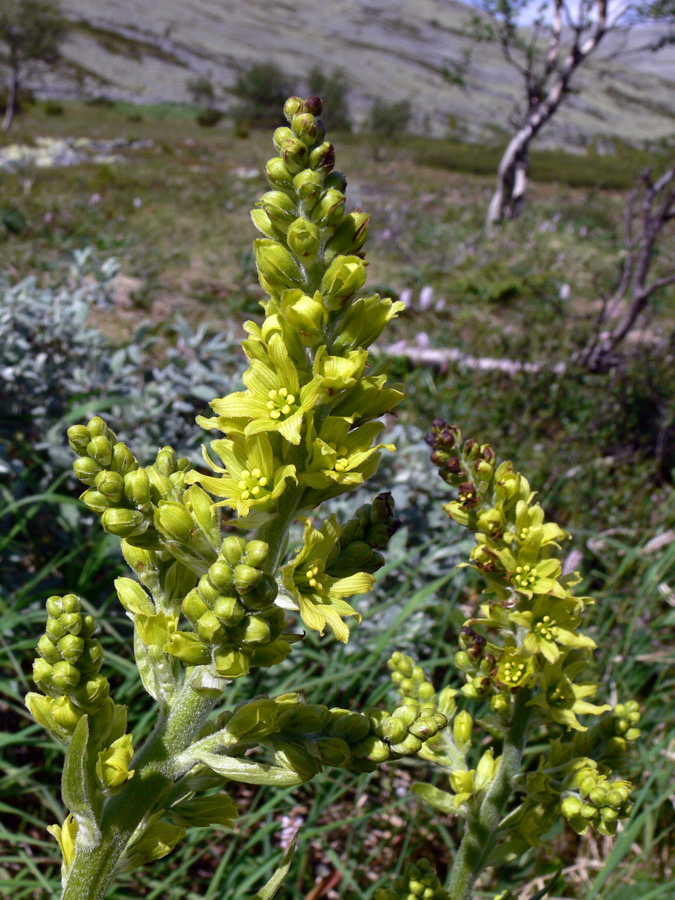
440	800
78	788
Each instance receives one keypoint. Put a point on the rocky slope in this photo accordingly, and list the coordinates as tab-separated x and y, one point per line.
389	49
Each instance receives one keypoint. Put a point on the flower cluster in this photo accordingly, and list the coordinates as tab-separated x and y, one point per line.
525	654
208	605
418	882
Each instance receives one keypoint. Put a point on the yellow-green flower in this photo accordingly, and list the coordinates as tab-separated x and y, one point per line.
561	699
112	767
550	624
320	598
514	671
251	480
274	401
338	456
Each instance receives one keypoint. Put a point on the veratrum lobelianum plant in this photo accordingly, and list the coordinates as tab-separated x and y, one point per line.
207	605
525	654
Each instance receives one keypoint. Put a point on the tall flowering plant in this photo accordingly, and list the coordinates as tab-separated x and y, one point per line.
540	746
209	606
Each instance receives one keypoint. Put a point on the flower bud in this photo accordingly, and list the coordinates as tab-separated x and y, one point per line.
343	278
86	469
351	726
100	449
303	238
137	488
48	650
336	180
174	521
91	658
276	264
253	630
334	751
229	610
278	175
256	553
193	606
65	676
210	628
161	487
65	713
308	128
296	758
231	662
95	501
280	208
220	574
133	598
124	523
97	426
246	578
306	315
281	135
291	107
329	209
294	154
112	767
350	235
79	438
570	806
110	484
462	730
189	648
322	158
71	647
55	629
308	185
123	460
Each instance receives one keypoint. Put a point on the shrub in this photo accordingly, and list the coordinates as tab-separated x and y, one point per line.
262	91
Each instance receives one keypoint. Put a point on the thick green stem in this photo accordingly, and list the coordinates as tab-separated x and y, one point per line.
481	831
93	867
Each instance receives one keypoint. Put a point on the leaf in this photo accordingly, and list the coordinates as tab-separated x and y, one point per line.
78	785
547	887
275	882
246	770
437	798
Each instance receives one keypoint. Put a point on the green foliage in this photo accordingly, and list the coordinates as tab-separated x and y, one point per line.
261	90
207	118
334	92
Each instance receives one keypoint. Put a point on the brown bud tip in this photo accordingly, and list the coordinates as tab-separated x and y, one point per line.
313	105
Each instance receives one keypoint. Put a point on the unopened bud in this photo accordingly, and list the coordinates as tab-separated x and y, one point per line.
329	209
79	438
308	185
322	158
308	128
86	469
303	238
124	523
278	175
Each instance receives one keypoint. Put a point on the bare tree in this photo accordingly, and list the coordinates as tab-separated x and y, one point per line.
648	266
32	31
546	54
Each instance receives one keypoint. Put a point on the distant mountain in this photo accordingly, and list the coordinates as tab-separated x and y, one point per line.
388	49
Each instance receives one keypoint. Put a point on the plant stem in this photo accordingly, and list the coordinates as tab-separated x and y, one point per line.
93	867
481	830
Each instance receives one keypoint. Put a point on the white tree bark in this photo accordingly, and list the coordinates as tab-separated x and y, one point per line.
545	93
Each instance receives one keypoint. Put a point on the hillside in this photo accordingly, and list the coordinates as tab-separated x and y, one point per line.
389	49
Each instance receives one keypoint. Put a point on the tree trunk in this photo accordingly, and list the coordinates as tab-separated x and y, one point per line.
12	97
507	200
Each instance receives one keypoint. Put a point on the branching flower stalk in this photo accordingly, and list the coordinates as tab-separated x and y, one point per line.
208	606
524	654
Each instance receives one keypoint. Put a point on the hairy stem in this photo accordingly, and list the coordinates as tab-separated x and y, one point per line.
93	867
481	830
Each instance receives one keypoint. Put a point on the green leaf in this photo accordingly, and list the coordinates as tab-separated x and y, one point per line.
246	770
78	783
275	882
441	800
